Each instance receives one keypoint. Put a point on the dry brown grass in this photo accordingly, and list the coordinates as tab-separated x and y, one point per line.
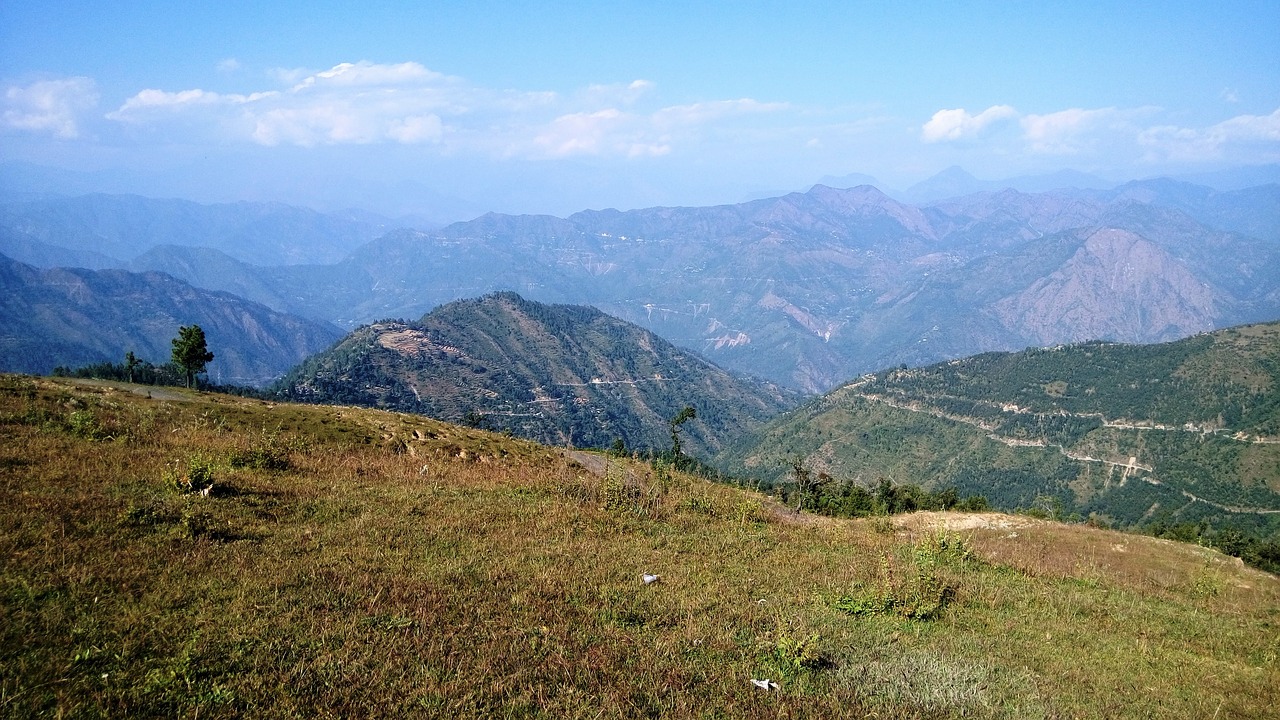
353	563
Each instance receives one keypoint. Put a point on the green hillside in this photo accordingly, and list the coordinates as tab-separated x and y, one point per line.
347	562
1186	432
559	374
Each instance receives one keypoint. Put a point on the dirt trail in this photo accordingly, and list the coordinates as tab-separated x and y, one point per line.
155	392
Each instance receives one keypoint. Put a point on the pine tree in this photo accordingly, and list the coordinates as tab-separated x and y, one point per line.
190	353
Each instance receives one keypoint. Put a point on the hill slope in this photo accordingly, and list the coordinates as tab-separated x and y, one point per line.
358	563
74	317
554	373
1187	431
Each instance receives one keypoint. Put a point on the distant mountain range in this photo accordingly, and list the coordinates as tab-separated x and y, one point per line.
76	317
807	290
112	230
1187	431
554	373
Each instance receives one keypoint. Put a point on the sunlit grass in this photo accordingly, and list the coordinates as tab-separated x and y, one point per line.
352	563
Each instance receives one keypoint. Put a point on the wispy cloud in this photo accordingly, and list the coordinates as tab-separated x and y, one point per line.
958	124
53	107
364	103
1244	138
1082	132
1066	132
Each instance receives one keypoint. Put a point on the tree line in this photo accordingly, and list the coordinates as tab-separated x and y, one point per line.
188	360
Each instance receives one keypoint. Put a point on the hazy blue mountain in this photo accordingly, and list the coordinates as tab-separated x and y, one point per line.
74	317
125	226
1236	178
955	182
558	374
24	248
813	288
810	289
1253	211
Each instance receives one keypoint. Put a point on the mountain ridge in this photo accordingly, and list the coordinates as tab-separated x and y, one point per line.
810	289
1187	431
73	317
559	374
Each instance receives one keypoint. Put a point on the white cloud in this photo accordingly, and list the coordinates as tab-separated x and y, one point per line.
50	106
367	74
958	124
705	112
618	94
351	103
365	103
134	108
1244	138
416	129
1066	132
228	65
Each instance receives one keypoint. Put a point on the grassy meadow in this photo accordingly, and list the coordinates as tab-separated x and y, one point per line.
181	555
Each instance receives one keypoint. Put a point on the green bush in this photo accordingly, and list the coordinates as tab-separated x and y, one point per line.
194	475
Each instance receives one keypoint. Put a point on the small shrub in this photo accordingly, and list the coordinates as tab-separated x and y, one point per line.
195	475
140	516
749	511
1207	584
85	424
699	504
795	655
918	594
942	548
616	493
267	451
882	525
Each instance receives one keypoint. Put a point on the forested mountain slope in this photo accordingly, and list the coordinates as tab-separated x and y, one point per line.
74	317
1187	431
553	373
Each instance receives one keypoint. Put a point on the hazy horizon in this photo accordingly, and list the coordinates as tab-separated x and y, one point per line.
490	106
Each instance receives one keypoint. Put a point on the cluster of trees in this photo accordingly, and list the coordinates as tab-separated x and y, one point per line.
1258	552
188	361
821	493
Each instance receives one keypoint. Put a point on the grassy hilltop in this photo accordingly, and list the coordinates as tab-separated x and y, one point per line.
358	563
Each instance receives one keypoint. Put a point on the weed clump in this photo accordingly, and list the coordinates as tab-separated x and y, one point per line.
144	516
265	451
85	424
193	475
789	656
920	591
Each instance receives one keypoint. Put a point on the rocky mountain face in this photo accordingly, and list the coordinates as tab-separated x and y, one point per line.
553	373
1180	432
75	317
811	289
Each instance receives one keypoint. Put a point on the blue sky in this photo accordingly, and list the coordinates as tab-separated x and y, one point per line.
556	107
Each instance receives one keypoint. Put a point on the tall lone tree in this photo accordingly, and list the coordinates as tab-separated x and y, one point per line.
190	353
688	413
130	364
